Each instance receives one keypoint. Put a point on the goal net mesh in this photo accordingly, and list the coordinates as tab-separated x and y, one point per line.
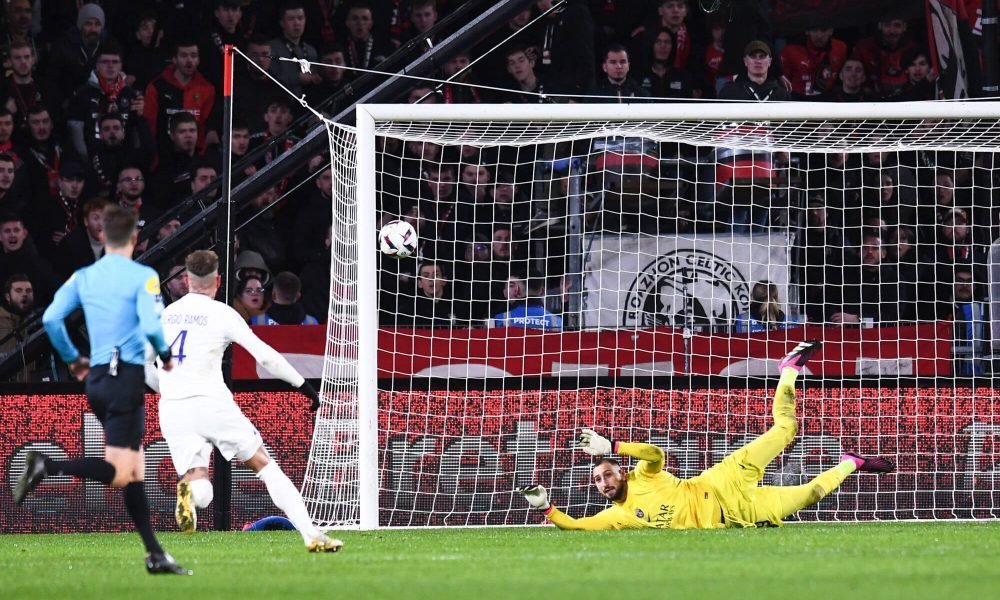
644	278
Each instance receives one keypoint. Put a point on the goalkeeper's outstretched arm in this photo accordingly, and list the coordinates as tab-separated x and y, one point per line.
651	458
538	497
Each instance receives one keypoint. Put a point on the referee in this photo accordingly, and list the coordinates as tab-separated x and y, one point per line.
121	304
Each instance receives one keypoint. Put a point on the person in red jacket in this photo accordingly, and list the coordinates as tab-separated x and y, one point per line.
812	67
883	56
181	88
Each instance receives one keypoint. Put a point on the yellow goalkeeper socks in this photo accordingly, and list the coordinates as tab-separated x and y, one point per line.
784	398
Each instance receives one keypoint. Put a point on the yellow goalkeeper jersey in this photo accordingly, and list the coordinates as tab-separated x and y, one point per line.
655	498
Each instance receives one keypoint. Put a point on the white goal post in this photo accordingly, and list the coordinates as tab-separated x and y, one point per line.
459	466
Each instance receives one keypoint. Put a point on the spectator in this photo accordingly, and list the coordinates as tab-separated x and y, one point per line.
130	193
812	68
23	91
10	198
105	92
253	89
331	79
202	176
53	216
225	27
526	310
955	245
882	55
175	284
85	244
565	41
286	303
914	274
661	79
20	256
765	312
261	234
19	20
292	20
19	303
182	89
143	57
509	208
921	82
364	47
461	89
313	221
277	119
865	292
494	63
44	154
671	15
7	144
251	264
971	321
754	84
850	86
715	52
423	16
249	298
528	87
473	276
431	305
175	161
74	55
115	148
616	85
315	276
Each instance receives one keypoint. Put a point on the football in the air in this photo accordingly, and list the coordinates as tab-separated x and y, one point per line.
397	239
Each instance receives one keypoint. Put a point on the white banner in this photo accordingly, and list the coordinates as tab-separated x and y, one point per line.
640	281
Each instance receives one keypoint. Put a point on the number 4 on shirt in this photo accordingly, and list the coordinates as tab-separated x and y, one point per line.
179	352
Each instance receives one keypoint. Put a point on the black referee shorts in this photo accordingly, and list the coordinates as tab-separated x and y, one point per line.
119	403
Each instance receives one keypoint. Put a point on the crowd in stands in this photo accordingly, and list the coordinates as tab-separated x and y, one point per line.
118	102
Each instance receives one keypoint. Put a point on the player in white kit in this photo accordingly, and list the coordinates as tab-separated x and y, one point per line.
197	410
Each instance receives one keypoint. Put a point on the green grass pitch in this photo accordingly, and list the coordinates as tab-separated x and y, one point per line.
857	561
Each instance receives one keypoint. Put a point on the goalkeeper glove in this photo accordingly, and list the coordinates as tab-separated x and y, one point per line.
308	390
536	496
594	443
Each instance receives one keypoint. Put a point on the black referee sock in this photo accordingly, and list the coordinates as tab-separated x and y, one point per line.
97	469
138	509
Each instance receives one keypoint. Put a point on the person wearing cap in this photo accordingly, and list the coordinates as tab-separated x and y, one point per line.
812	67
74	54
250	264
754	85
50	218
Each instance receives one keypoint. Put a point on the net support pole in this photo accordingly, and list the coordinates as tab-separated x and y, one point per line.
222	471
991	72
367	369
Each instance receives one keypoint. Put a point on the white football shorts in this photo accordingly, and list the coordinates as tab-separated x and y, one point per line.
193	426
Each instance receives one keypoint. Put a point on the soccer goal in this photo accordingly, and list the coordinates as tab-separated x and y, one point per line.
640	269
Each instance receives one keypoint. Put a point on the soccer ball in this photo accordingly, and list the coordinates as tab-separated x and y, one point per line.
397	239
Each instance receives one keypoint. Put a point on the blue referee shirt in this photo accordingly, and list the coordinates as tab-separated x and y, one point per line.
121	304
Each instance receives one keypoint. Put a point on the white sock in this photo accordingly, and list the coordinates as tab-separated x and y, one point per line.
287	498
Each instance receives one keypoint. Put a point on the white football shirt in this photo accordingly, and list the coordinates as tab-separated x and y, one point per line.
199	329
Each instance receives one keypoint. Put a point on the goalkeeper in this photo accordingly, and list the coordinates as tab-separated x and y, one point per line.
726	495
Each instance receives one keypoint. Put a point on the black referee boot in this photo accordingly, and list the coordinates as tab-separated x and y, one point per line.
34	473
162	563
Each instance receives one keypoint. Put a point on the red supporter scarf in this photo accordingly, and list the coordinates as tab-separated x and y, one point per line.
113	89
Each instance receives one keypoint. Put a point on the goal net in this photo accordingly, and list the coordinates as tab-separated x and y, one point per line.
640	270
